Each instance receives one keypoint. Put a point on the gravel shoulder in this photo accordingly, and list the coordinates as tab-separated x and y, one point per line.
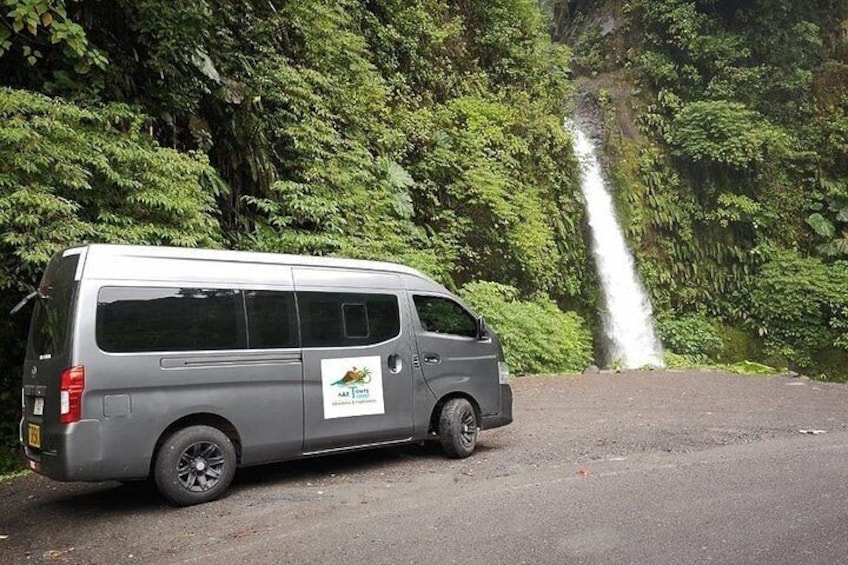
382	506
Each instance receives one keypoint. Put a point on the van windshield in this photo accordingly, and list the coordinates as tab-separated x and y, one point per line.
51	317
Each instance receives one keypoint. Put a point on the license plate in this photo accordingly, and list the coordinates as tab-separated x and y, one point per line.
34	435
38	407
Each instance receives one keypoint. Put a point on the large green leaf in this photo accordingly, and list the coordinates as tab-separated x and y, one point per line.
821	225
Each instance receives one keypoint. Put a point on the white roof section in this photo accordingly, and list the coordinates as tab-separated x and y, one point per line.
105	261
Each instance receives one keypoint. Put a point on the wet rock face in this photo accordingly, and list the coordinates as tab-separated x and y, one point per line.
588	114
609	25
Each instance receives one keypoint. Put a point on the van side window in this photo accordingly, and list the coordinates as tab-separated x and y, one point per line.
335	319
320	320
444	316
271	319
136	319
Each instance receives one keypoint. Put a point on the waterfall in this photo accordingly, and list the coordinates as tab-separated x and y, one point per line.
627	315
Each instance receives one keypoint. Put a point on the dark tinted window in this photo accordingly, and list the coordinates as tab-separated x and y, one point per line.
442	315
355	320
331	319
133	319
321	320
52	314
271	319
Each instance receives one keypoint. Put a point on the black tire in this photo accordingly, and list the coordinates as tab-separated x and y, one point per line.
195	465
458	428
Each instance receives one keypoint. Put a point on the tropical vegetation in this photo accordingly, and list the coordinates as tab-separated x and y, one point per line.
429	132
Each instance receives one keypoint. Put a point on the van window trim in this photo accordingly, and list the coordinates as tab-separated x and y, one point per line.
183	352
370	345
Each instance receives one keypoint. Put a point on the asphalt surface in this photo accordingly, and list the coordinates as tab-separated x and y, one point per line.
642	468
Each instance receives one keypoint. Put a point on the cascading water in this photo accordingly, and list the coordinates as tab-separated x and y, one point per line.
628	322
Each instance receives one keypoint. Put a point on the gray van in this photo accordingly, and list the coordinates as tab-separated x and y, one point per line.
182	364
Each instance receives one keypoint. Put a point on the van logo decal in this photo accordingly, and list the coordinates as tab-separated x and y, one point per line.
355	377
352	386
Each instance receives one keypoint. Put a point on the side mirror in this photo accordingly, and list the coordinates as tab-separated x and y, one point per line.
482	332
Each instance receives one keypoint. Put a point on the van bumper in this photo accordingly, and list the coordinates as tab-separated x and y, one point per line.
70	453
504	416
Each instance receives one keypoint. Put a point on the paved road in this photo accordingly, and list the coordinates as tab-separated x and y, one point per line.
642	468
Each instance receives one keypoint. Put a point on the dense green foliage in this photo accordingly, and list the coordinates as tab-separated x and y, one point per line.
537	336
800	306
384	129
425	132
69	174
44	27
726	131
691	335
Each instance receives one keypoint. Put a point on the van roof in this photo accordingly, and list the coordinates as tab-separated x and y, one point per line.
101	250
104	253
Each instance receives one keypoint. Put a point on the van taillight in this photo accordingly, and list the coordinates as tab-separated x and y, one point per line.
71	385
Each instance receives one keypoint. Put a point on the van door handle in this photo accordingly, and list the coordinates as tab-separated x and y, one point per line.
395	363
432	359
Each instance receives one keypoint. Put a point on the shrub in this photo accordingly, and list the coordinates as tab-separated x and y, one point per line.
537	336
800	308
722	132
739	345
674	361
691	335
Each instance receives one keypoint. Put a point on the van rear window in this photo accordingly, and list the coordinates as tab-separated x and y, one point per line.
52	315
136	319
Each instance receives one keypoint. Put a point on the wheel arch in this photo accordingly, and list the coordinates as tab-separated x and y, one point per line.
199	419
437	409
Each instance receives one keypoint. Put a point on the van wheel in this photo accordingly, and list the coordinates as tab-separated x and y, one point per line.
195	465
458	428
